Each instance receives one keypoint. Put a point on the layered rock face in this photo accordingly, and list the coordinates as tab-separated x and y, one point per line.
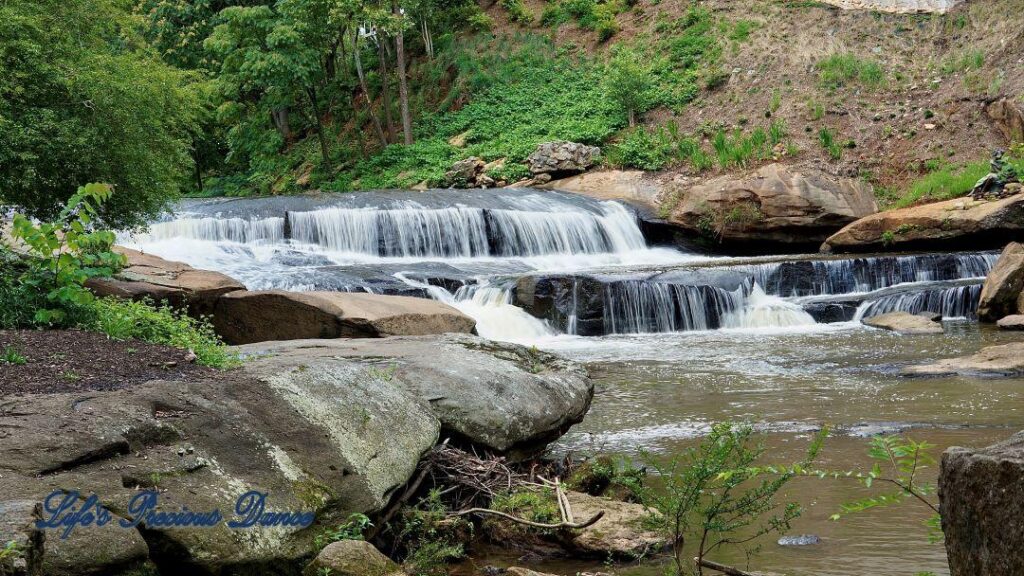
958	224
152	277
327	426
776	204
982	503
1003	291
247	317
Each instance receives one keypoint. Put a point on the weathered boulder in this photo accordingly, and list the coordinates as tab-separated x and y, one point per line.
981	494
633	186
774	205
560	158
499	396
958	224
1003	291
464	173
1011	322
257	316
992	361
1008	116
152	277
18	525
352	558
904	323
619	533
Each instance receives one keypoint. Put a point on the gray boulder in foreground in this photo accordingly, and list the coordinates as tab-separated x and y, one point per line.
904	323
326	426
982	503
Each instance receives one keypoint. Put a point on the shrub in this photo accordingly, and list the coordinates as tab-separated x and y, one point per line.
629	82
125	320
554	15
517	11
840	70
643	149
943	184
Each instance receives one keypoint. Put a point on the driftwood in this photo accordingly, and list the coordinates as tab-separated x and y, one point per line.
727	570
560	525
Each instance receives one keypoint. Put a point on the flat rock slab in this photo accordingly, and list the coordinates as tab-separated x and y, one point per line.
152	277
619	533
500	396
960	224
1012	322
897	6
994	361
904	323
982	503
260	316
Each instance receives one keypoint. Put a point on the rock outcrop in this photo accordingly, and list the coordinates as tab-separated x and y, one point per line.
499	396
1003	291
258	316
904	323
958	224
632	186
352	558
1011	322
469	173
776	205
981	494
562	158
1004	360
619	533
327	426
1008	116
152	277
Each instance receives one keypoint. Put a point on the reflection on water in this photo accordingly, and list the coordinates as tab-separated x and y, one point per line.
660	392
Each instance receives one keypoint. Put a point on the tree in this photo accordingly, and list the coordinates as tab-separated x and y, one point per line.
82	98
629	82
403	81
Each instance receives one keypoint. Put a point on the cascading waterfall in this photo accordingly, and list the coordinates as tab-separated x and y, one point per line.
237	230
761	310
952	302
637	306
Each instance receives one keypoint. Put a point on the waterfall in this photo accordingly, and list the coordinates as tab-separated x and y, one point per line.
637	306
238	230
761	310
953	302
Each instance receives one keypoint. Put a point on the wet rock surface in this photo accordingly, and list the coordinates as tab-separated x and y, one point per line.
981	493
352	558
992	361
905	323
1003	291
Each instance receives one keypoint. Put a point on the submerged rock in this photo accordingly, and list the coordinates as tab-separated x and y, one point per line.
1002	360
247	317
1003	291
981	494
352	558
905	323
958	224
152	277
801	540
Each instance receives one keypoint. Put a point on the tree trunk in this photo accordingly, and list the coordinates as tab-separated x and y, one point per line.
385	95
428	40
318	122
279	117
403	85
632	118
366	91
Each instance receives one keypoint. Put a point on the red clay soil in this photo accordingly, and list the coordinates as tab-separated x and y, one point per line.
75	360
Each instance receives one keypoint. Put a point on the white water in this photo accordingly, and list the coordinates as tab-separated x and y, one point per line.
405	246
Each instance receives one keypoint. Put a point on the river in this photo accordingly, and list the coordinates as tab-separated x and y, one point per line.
674	340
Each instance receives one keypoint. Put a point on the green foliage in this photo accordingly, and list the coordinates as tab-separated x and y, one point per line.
554	15
741	30
629	82
844	69
11	356
715	495
964	61
828	142
739	149
353	529
943	183
517	11
65	253
429	539
83	99
654	149
125	320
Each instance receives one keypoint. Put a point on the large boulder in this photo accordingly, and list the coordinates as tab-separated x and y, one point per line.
1003	291
152	277
1006	360
499	396
247	317
1011	322
465	173
619	533
776	205
352	558
562	158
981	494
958	224
1008	116
904	323
633	186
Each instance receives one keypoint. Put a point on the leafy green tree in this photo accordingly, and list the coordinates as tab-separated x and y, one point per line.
82	98
629	82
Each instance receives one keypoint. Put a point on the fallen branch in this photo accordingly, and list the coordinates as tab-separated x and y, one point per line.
728	570
561	525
